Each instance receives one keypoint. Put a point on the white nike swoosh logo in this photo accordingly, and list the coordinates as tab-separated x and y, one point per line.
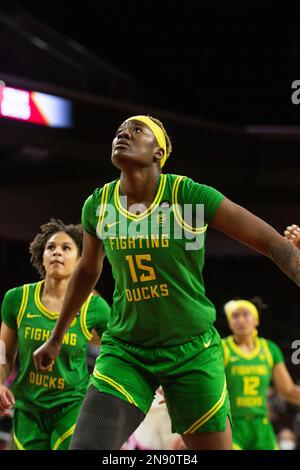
207	344
29	315
114	223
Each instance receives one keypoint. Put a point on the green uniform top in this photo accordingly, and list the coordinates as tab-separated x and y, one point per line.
159	298
248	375
23	311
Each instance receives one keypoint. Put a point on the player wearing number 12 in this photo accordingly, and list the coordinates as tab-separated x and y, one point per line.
251	362
161	329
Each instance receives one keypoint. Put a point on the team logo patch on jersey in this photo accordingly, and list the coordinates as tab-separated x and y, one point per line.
165	205
161	218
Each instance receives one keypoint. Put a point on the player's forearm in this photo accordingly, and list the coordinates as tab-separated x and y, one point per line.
5	370
287	257
293	395
81	285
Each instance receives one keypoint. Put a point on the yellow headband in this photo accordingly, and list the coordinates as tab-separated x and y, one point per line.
233	305
158	134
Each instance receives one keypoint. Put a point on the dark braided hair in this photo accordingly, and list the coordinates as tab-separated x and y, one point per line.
37	246
259	303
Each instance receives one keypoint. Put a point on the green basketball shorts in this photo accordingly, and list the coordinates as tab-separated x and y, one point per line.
192	376
45	430
252	432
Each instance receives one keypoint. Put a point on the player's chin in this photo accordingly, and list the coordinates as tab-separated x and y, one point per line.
244	332
59	274
58	269
121	157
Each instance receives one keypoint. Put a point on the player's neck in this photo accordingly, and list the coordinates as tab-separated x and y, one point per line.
245	342
55	288
139	186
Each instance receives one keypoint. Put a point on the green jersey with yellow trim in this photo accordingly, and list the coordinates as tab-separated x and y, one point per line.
248	375
67	380
157	258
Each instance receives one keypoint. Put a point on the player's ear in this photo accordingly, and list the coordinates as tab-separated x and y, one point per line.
158	153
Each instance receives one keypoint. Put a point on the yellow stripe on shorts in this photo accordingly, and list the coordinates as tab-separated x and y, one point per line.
18	443
64	437
209	414
236	447
115	385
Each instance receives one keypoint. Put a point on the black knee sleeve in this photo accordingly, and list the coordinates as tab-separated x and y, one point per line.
105	422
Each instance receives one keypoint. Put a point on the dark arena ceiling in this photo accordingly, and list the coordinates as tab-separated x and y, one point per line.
219	78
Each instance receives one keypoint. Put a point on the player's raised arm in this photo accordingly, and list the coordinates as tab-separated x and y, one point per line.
252	231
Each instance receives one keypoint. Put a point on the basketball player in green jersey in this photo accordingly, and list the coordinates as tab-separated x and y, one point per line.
251	362
46	405
161	329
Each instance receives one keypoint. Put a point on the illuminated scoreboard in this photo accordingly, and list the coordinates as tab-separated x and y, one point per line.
35	107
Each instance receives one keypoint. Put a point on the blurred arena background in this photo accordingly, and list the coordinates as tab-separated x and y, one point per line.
220	78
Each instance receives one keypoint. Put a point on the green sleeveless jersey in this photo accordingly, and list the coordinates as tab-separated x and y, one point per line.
157	258
248	375
23	311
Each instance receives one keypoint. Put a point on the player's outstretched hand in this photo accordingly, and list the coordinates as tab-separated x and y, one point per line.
292	232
